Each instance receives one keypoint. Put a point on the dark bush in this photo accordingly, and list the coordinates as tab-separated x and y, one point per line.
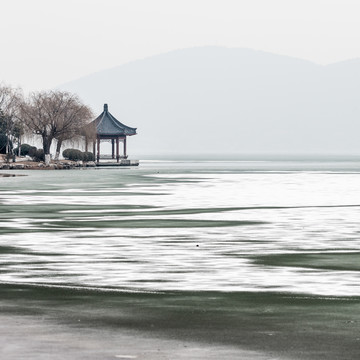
88	156
76	155
39	155
73	154
66	153
32	151
25	149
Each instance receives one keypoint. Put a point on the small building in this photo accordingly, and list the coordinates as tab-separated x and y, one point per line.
107	128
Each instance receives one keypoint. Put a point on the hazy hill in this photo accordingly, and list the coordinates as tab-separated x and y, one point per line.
217	100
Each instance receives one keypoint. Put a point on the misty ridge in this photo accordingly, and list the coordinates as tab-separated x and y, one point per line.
217	100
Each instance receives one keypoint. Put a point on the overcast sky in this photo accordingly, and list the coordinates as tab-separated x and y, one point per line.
44	43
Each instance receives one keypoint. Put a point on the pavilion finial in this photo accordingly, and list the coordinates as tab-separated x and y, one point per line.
105	107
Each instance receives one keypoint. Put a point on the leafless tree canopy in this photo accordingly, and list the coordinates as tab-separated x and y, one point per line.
10	124
55	115
9	100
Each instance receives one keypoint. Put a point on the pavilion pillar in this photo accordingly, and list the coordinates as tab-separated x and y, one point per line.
94	153
98	150
86	144
113	148
125	156
117	150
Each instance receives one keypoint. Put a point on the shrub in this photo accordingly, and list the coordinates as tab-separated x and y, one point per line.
39	155
32	151
73	154
25	149
88	156
76	155
66	153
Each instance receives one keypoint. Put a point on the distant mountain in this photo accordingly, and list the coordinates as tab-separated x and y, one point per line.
216	100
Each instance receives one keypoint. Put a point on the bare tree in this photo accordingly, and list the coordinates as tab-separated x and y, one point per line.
77	132
89	133
55	115
10	124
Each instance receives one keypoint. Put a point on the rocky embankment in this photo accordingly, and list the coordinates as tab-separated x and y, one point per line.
58	165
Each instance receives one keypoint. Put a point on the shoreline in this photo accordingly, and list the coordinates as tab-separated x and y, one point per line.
58	165
63	165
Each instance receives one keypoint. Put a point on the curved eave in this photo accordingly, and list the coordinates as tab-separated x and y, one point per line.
123	129
115	135
120	125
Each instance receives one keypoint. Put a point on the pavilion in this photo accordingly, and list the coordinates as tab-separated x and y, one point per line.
108	128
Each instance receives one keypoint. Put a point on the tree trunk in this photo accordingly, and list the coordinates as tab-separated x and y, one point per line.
58	147
47	159
46	146
7	148
19	146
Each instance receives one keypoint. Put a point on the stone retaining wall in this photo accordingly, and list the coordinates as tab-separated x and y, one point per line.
42	166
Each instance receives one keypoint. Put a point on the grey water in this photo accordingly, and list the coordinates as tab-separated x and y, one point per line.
207	226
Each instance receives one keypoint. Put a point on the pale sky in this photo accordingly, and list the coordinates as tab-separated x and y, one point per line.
44	43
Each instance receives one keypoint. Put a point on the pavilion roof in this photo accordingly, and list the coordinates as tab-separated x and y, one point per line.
107	124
